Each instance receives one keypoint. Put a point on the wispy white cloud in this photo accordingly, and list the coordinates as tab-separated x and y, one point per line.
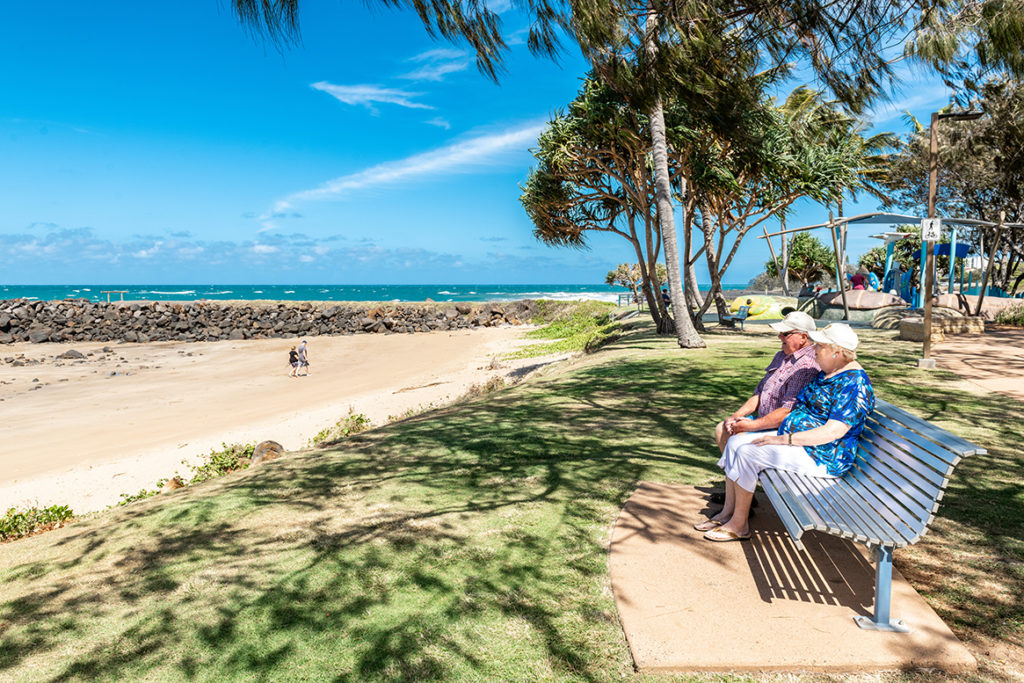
483	149
439	122
437	54
368	95
436	64
264	249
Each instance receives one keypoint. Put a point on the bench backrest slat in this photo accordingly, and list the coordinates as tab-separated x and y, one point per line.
873	494
902	498
902	436
892	442
954	443
924	478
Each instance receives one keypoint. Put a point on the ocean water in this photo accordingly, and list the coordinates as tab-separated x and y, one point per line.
394	293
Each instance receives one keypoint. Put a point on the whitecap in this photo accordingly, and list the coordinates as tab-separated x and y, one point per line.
289	291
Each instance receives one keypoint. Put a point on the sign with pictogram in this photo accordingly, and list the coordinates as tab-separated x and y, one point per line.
931	229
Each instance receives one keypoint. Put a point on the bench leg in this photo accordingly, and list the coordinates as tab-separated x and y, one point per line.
883	596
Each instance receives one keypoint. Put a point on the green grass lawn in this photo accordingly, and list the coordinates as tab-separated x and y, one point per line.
470	543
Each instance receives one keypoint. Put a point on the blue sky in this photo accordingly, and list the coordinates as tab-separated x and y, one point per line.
161	143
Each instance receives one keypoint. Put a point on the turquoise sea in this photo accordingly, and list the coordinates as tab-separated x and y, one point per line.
394	293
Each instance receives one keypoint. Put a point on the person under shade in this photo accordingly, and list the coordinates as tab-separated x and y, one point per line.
792	368
818	438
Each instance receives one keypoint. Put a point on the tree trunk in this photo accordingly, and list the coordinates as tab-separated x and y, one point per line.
686	334
785	258
707	228
645	272
692	289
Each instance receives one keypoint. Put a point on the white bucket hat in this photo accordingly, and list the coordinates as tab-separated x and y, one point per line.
797	321
839	334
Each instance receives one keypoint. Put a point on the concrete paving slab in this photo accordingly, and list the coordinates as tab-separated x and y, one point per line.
687	604
993	361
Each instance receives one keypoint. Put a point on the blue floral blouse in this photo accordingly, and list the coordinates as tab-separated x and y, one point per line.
847	397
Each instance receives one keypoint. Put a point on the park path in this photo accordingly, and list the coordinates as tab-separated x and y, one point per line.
993	361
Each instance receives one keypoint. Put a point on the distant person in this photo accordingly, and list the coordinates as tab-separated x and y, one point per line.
859	280
293	360
303	354
666	298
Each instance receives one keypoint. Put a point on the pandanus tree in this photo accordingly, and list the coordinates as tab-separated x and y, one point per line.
593	174
789	152
846	44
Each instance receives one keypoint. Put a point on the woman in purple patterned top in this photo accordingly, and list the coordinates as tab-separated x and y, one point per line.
818	438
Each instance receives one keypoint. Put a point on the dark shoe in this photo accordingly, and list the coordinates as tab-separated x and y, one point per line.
718	498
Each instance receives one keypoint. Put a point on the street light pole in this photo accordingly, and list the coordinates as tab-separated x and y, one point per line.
933	180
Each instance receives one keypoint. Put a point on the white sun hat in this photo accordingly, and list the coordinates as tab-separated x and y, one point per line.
797	321
839	334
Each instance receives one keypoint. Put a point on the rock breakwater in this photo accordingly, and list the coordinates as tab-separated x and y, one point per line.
143	321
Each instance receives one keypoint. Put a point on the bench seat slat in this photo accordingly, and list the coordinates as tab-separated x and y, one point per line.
807	522
831	518
926	479
961	447
875	529
894	443
903	437
799	498
786	513
842	516
877	498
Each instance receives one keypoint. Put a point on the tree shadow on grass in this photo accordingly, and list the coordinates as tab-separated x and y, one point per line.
469	542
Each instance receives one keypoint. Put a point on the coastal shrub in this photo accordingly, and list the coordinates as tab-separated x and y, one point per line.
218	463
583	326
1011	315
16	524
143	494
353	424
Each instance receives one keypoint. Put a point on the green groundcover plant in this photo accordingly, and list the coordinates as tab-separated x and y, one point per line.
1011	315
471	542
583	326
18	523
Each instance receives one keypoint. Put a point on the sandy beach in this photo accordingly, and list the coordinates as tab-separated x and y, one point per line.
81	432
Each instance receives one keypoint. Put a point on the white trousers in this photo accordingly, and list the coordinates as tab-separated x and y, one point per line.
742	461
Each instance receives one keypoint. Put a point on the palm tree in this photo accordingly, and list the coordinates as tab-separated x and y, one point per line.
845	42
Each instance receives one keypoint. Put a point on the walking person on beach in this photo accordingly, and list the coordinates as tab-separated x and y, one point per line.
303	358
293	360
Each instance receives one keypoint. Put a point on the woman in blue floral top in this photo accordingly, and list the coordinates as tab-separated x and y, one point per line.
818	438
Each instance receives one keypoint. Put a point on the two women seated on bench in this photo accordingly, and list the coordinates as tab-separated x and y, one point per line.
818	437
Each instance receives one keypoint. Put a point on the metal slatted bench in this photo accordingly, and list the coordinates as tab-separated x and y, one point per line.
886	501
740	315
